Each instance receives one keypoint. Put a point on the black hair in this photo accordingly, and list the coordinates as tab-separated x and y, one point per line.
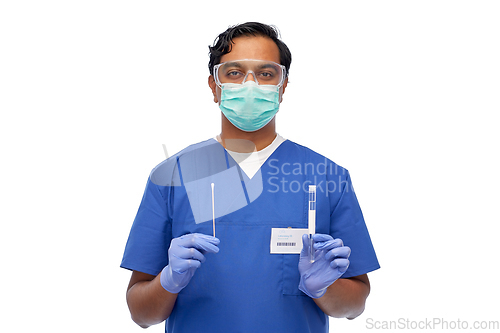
223	43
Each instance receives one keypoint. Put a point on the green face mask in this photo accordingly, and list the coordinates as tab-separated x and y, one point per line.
249	106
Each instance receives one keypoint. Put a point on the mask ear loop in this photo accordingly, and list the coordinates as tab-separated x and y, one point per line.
254	77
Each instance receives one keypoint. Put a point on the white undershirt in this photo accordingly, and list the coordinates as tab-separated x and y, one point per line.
250	163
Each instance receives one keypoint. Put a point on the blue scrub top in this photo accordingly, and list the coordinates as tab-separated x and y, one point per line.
245	288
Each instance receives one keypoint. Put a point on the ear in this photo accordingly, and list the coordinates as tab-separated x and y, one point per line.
213	87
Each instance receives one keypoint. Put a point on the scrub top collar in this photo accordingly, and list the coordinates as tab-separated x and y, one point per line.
250	163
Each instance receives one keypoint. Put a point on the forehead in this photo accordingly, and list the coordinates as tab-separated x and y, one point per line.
253	47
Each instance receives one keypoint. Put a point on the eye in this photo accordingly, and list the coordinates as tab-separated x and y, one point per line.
266	75
233	73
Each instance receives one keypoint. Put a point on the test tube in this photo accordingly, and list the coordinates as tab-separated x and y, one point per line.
312	220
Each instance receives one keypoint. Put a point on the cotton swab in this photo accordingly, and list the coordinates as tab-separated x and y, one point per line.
213	210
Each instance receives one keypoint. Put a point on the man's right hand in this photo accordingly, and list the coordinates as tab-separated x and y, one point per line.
185	255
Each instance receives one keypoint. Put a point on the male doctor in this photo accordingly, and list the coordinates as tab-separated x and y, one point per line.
237	282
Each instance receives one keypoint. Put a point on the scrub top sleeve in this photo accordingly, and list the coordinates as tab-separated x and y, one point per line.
348	224
149	239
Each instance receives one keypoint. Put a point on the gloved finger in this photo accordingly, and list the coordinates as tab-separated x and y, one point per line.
338	252
340	264
305	243
322	238
198	236
208	238
204	243
329	244
187	253
182	266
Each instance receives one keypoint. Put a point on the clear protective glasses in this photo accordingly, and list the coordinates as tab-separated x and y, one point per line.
237	71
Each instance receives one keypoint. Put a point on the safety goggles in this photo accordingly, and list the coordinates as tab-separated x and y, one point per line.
238	71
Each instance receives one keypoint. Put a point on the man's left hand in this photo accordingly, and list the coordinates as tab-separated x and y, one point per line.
331	262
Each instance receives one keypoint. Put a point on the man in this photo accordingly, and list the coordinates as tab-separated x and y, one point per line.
237	281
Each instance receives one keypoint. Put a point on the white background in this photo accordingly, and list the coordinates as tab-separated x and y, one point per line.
401	93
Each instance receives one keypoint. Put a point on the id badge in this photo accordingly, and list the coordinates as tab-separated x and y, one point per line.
287	240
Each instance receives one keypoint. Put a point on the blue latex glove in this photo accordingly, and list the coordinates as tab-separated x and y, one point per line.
185	255
331	261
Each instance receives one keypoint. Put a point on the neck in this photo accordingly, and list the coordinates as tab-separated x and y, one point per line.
234	139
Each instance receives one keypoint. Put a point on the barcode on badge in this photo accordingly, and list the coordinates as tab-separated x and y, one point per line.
286	244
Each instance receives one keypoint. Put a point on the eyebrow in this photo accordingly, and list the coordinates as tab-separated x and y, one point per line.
239	65
267	66
233	64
